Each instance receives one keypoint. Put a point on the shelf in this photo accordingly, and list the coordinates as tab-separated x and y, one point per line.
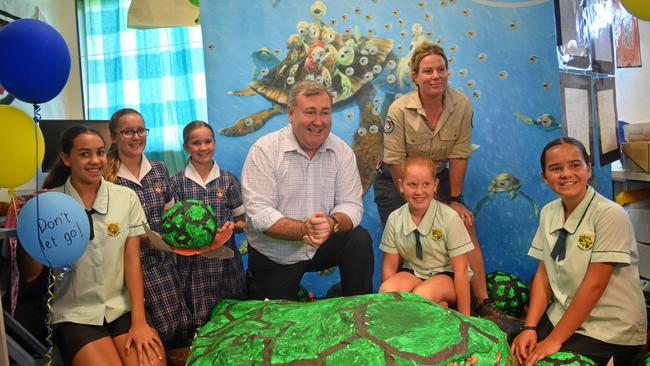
618	174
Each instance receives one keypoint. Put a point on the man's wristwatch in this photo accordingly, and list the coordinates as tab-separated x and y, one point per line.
335	228
458	198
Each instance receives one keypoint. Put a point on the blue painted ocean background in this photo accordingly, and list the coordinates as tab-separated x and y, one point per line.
504	59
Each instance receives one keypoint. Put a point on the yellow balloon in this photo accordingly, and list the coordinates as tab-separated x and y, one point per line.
638	8
18	147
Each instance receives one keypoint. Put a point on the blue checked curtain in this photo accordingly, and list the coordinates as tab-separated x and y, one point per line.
159	72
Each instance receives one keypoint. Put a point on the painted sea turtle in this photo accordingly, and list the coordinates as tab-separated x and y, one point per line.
375	329
504	183
352	66
545	121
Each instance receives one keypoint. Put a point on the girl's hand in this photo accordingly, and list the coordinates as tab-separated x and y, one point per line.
227	225
544	348
146	342
523	345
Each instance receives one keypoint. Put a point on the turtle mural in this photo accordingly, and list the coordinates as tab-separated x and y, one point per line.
352	66
373	329
546	121
505	183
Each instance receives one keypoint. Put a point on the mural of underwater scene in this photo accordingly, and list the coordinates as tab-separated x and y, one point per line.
501	54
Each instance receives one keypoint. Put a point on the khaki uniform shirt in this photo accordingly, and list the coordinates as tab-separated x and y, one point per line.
604	235
407	131
442	235
94	288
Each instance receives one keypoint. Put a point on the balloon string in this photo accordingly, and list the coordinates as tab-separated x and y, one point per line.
48	317
37	120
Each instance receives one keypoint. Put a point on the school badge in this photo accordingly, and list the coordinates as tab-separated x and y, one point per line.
389	125
113	229
436	234
585	241
220	193
157	188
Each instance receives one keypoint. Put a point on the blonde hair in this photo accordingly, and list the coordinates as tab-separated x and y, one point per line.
421	162
426	48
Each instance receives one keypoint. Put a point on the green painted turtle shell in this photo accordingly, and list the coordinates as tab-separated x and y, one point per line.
189	224
375	329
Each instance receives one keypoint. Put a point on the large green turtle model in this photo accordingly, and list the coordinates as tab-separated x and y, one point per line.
504	183
375	329
352	67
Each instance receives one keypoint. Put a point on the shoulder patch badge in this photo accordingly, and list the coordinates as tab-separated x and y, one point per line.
586	241
389	125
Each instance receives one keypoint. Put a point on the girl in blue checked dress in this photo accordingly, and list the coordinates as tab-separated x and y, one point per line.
206	281
129	167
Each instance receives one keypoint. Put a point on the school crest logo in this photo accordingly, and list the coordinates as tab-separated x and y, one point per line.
157	188
436	234
113	229
389	125
585	241
220	193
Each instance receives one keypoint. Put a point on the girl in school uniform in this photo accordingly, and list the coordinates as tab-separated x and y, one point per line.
425	243
128	166
206	281
98	311
588	268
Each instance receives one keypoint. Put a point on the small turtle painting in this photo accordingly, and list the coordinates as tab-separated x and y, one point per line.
545	122
353	67
504	183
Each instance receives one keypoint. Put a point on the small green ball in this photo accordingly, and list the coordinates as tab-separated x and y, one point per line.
189	224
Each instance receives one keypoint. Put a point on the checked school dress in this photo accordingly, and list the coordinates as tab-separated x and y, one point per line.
206	281
162	288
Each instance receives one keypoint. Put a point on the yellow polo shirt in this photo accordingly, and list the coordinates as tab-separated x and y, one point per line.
442	235
605	235
407	131
95	289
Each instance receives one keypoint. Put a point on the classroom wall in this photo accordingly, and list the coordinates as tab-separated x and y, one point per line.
632	84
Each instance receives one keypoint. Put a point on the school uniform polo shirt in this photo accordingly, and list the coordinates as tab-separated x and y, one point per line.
94	288
407	131
598	231
442	235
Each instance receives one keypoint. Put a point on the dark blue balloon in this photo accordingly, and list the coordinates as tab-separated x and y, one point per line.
56	235
35	61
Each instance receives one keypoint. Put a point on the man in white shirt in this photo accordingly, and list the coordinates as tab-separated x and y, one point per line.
303	200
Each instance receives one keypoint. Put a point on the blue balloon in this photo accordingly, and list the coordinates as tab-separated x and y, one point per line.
56	235
35	62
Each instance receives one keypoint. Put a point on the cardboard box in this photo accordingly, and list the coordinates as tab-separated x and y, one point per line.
644	260
640	218
636	156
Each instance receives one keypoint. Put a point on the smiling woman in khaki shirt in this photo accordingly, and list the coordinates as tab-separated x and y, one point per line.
436	121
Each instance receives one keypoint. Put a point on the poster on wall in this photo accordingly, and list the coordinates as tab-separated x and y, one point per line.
602	49
606	118
575	94
626	37
572	34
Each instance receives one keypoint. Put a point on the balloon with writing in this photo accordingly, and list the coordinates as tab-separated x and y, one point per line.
54	229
